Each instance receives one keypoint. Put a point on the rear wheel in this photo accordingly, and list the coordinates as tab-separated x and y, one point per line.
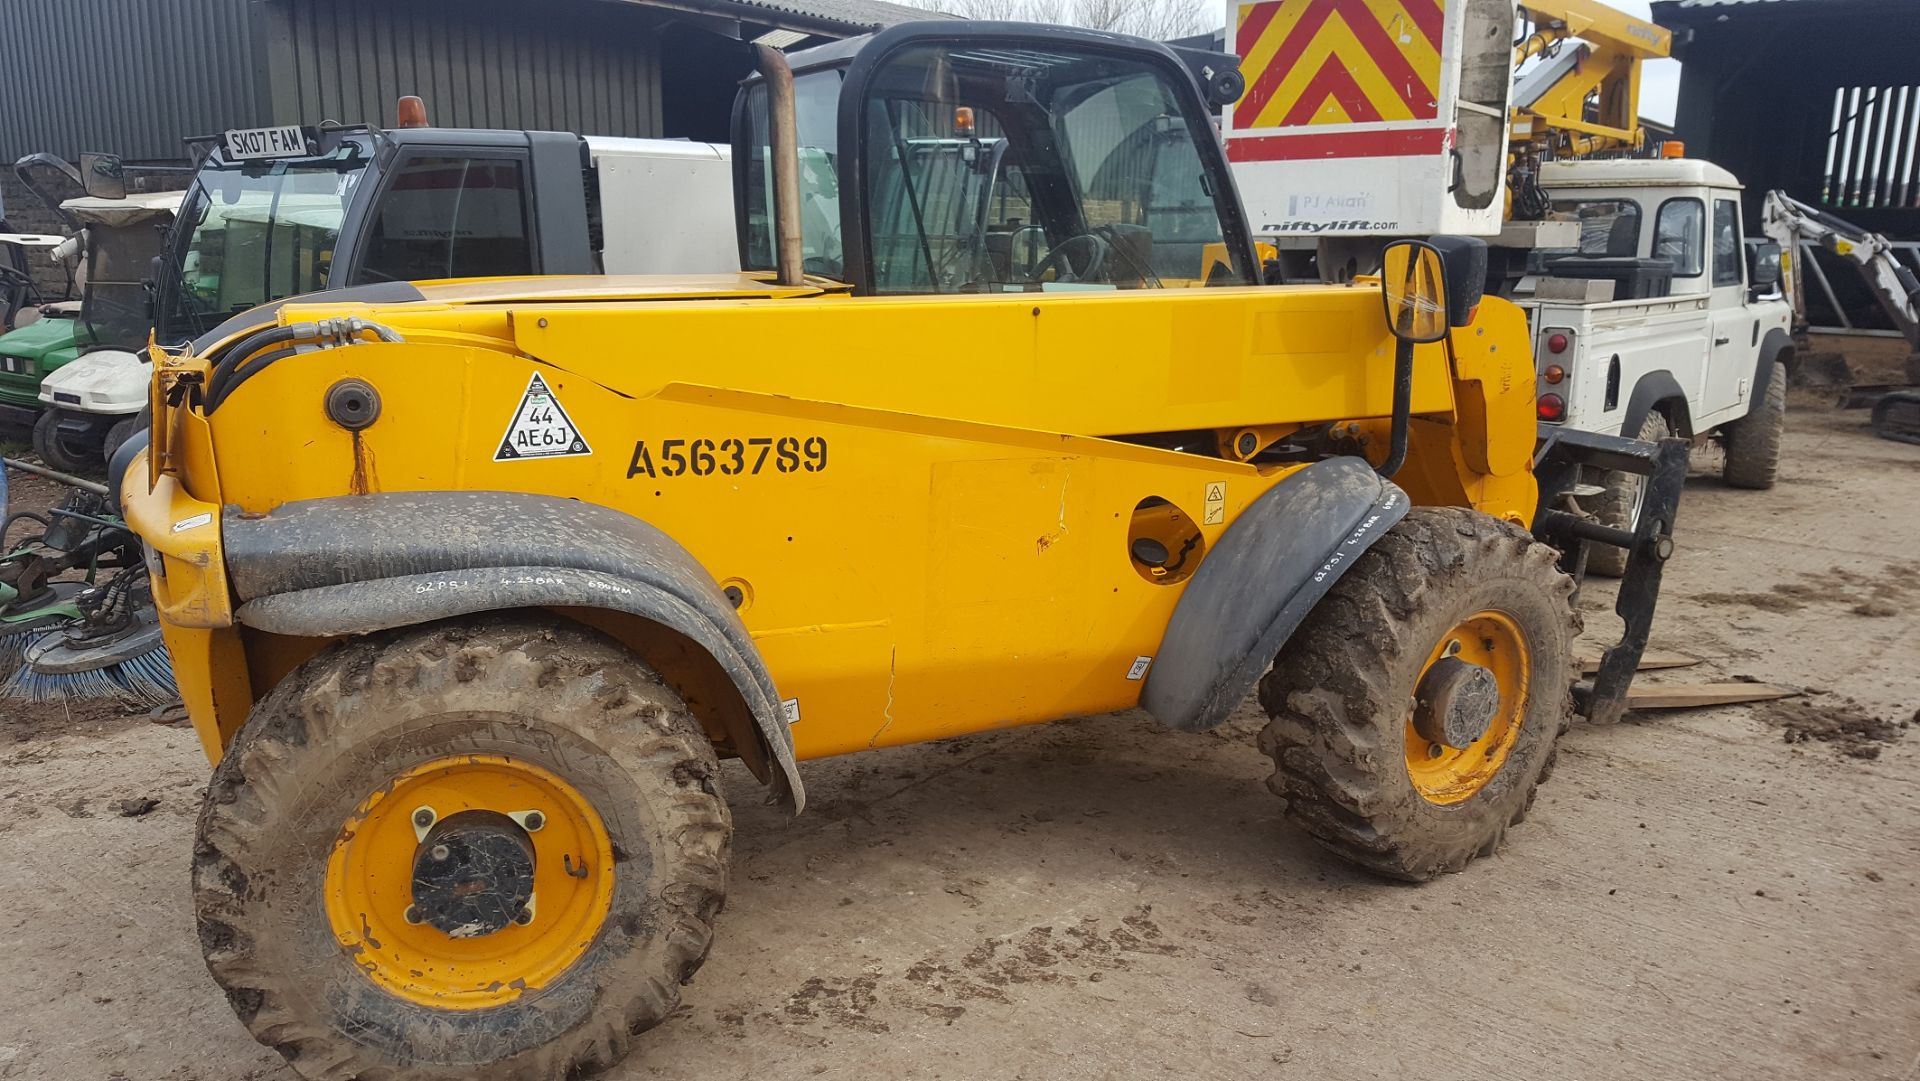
1753	441
62	451
1619	506
461	850
1416	710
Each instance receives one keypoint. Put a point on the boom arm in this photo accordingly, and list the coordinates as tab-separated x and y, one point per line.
1551	101
1790	223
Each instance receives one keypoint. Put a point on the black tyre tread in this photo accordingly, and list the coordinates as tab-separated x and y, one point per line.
1753	441
1615	506
582	679
54	451
1335	726
121	431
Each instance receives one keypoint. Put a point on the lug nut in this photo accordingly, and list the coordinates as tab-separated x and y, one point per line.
423	817
1434	750
411	915
533	821
439	853
525	917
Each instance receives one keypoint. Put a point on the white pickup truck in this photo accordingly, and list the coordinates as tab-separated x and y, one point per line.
1658	323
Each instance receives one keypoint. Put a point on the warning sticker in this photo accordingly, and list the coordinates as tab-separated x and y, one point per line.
791	710
540	428
1139	667
1216	503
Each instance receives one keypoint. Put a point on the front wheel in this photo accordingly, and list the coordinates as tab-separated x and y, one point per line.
461	850
62	450
1753	441
1417	708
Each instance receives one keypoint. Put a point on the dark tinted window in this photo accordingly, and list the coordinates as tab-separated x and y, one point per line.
449	217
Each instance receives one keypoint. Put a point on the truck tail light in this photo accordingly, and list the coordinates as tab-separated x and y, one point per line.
1554	374
1551	407
1557	342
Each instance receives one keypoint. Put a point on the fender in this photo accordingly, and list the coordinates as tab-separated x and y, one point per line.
358	564
1273	564
1653	388
1777	345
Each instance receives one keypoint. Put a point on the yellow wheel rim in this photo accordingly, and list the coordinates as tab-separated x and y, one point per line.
369	885
1493	641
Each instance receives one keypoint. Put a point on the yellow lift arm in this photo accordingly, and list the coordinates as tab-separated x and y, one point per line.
1587	99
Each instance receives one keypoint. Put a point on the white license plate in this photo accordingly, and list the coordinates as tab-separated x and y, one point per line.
245	144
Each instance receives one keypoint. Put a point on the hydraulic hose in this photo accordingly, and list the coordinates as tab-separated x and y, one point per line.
233	369
1402	409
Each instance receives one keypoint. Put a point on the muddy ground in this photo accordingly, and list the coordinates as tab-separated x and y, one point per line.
1729	892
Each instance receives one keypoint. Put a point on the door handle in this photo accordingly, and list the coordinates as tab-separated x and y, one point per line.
1721	341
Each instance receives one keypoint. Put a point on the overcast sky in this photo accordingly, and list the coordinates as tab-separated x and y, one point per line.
1659	79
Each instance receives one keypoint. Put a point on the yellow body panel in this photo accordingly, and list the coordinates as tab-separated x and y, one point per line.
933	538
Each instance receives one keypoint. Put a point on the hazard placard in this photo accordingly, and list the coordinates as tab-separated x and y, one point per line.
1216	503
540	428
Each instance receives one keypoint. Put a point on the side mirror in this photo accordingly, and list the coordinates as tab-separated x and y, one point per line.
1413	287
1465	261
103	175
1763	269
1430	285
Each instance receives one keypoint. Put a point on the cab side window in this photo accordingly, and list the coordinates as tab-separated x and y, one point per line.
1726	242
449	217
1679	234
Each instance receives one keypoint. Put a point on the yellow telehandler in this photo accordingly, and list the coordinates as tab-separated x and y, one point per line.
469	584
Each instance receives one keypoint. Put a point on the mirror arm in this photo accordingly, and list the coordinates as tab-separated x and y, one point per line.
1402	408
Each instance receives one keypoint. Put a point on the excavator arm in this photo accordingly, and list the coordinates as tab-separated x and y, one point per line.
1790	223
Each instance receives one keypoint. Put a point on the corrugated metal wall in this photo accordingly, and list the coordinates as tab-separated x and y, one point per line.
135	77
130	77
567	65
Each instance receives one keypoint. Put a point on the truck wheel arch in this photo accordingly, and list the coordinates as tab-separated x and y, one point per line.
1658	390
315	569
1776	345
1258	582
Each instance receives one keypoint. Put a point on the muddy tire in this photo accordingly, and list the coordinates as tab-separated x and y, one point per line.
61	452
305	777
1341	695
121	431
1619	505
1753	441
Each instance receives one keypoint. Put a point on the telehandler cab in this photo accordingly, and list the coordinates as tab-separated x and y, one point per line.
467	586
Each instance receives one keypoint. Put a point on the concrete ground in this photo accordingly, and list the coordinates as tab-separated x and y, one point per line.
1729	892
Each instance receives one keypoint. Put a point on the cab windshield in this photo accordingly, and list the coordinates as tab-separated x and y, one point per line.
254	232
1016	169
1010	169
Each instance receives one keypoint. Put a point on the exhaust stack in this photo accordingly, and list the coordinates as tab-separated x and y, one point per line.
785	163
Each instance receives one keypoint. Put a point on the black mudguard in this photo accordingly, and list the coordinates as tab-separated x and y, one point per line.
1273	564
1652	389
1558	462
358	564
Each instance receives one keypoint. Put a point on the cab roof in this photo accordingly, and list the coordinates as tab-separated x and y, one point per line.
1635	172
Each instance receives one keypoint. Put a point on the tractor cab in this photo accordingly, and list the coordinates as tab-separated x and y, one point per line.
990	158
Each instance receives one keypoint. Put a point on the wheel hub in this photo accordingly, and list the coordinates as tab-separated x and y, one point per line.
472	875
1455	703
